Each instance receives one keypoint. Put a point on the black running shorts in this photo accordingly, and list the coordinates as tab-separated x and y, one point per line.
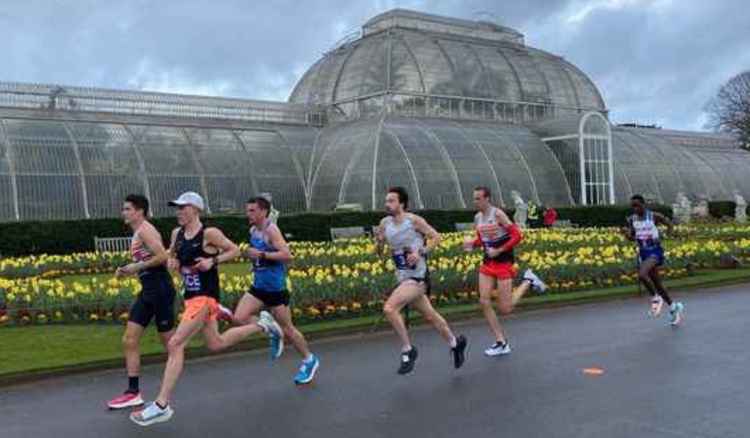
271	298
156	301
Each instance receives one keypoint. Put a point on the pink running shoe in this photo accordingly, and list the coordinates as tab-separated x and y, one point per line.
127	400
225	314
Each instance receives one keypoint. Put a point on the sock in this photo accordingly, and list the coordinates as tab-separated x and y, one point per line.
453	342
309	358
133	385
160	406
406	349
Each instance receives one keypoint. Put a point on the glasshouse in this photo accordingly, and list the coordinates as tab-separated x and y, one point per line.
438	105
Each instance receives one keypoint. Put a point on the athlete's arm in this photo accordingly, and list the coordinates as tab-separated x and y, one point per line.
430	234
152	239
472	241
628	230
228	250
282	253
514	231
379	234
172	263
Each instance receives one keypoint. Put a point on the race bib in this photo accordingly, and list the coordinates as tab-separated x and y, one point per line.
399	260
191	279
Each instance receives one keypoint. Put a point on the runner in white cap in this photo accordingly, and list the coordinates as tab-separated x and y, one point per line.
196	252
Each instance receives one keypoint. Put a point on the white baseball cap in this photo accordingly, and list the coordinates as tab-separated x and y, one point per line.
188	198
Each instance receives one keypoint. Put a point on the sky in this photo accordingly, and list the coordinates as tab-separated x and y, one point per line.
655	61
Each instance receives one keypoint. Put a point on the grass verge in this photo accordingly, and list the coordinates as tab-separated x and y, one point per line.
33	352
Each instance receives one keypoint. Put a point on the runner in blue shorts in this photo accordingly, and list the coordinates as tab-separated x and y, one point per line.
643	229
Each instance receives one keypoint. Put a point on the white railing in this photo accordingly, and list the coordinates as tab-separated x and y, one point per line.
112	244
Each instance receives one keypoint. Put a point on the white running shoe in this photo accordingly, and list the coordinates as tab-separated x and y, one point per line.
536	283
152	414
498	349
657	304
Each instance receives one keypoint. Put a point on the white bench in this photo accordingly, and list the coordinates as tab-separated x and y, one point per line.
112	244
564	223
348	232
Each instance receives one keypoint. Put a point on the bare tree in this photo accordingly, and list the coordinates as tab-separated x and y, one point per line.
729	111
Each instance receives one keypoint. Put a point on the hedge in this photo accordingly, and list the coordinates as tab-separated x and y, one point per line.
65	237
720	209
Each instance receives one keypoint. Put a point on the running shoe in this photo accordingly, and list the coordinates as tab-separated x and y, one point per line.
273	330
152	414
225	314
126	400
657	304
459	351
676	313
408	359
307	371
536	283
498	349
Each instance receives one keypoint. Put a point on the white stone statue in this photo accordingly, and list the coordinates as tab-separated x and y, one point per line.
521	214
740	209
273	215
682	209
701	210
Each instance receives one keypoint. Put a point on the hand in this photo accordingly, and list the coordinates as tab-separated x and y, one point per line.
412	258
203	264
378	233
494	252
173	264
468	243
130	269
253	253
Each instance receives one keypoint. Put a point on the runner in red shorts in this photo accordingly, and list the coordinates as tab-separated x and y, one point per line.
497	236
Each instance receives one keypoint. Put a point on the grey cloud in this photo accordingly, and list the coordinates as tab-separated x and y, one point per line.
652	63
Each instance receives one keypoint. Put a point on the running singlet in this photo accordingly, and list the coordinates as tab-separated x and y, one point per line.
645	231
269	275
197	283
493	235
404	239
142	253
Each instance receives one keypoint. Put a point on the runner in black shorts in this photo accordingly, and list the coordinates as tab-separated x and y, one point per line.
405	234
156	299
270	255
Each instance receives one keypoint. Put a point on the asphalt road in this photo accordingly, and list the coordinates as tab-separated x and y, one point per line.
658	381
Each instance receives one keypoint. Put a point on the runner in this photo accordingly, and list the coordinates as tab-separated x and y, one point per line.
154	301
270	254
642	228
497	236
405	234
196	252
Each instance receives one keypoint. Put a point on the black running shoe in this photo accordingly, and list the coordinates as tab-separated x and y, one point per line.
408	358
459	356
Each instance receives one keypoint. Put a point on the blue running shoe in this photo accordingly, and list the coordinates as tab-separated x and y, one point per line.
273	330
307	371
675	313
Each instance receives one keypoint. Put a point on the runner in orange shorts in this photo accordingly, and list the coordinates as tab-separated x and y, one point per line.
196	252
497	236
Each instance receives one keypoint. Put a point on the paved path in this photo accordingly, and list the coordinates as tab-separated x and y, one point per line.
658	382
